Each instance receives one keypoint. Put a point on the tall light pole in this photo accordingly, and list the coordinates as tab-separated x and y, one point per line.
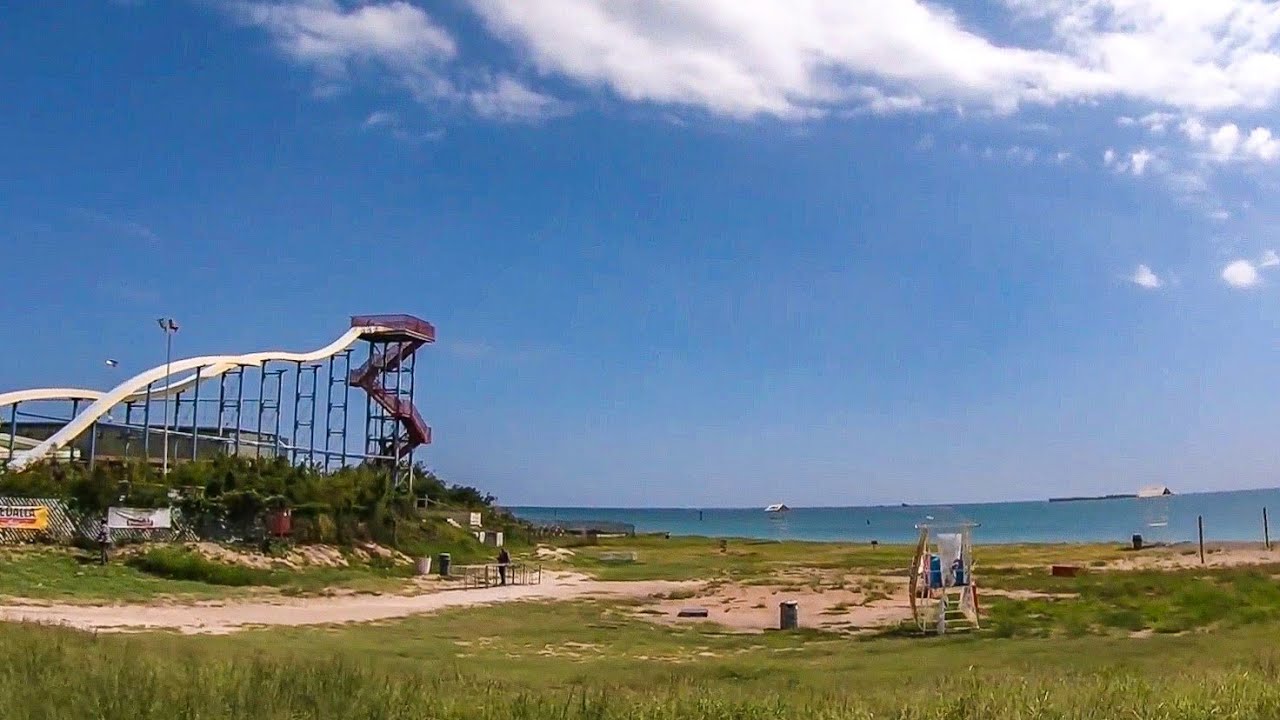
169	326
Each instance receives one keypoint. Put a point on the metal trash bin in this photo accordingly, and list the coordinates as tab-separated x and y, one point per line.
445	562
424	565
1137	542
788	615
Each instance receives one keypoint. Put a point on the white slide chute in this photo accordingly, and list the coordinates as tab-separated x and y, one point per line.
135	388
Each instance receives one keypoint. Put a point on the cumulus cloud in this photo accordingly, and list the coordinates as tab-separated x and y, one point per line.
395	42
1135	163
333	38
1246	273
1240	274
1262	145
1183	66
1139	160
787	59
508	99
1229	143
1144	277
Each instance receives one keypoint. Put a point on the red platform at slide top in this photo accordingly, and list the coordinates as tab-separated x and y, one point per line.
405	334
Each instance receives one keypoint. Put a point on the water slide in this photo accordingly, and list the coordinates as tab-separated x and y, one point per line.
26	443
135	388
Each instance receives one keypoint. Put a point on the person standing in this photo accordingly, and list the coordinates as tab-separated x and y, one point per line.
503	561
104	540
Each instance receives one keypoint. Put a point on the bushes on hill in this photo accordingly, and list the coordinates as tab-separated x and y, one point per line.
228	498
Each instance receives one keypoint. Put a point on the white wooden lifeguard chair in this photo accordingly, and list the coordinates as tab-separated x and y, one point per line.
942	586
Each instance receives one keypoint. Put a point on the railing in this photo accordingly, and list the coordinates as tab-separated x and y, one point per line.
477	576
408	323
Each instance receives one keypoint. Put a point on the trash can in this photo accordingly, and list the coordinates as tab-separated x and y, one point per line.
445	561
424	565
1137	542
788	615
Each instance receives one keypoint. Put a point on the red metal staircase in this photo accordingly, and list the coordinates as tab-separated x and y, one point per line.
399	337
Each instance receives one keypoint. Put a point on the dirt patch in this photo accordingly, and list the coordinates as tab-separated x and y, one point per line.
1187	555
855	605
230	616
546	552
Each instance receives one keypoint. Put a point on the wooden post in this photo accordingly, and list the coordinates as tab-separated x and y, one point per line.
1266	529
1200	524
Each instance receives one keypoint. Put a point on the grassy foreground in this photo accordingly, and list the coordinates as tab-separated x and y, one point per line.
1206	650
51	673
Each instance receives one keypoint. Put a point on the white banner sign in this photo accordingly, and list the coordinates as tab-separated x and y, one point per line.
138	519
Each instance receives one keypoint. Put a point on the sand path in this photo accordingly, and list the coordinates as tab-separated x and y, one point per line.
230	616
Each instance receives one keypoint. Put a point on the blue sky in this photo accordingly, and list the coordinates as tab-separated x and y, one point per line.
696	253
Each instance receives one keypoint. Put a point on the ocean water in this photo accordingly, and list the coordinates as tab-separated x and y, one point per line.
1235	516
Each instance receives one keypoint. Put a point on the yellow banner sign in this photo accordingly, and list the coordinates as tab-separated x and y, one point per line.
24	517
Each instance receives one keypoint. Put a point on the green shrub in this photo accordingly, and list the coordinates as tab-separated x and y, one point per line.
181	564
227	497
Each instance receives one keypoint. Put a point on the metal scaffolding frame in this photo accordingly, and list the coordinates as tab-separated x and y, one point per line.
319	435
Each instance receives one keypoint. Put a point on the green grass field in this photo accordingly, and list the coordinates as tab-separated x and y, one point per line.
693	558
584	660
1206	650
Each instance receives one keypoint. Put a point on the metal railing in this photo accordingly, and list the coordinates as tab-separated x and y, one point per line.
489	575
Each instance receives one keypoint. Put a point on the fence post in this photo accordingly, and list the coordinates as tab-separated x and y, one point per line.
1200	525
1266	529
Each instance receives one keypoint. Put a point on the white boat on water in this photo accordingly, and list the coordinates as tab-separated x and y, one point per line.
776	508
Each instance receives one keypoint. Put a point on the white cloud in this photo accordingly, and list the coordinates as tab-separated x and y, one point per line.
379	118
1219	214
391	123
789	59
1245	273
1229	143
1144	277
1240	274
1262	145
1194	130
509	99
1062	156
1223	142
397	40
1139	160
926	142
334	38
1135	162
1157	122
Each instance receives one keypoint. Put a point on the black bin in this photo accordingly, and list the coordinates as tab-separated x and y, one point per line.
1137	542
788	615
444	561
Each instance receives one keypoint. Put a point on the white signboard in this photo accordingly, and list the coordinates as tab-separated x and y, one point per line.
138	518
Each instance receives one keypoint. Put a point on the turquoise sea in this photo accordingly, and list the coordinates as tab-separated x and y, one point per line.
1234	516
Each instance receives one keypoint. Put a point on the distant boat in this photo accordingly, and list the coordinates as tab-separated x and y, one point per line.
1151	491
776	508
1079	498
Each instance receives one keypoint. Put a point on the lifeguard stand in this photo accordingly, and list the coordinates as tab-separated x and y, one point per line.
943	592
